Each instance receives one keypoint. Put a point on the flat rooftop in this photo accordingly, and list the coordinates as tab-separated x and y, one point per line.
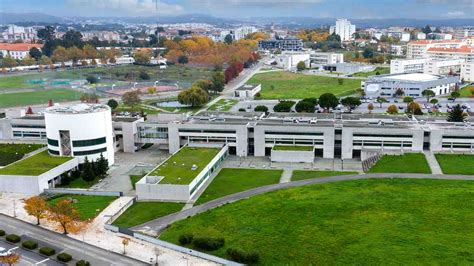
247	87
412	77
178	169
82	108
34	165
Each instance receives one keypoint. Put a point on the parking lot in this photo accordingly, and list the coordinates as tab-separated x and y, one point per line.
28	257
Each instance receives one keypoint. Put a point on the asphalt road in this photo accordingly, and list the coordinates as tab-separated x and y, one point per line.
159	224
78	250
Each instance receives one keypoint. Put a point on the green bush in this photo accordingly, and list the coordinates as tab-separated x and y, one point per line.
284	106
47	251
208	243
241	109
2	233
185	239
30	244
240	256
83	263
13	238
64	257
261	108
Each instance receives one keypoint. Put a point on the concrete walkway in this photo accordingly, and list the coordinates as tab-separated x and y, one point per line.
156	226
286	175
434	165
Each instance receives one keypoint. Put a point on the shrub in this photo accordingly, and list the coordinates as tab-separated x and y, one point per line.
283	106
185	239
47	251
13	238
64	257
92	79
143	75
208	243
261	108
30	244
257	95
305	107
240	256
83	263
241	109
2	233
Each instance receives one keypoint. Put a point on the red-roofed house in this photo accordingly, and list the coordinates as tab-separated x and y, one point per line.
417	49
18	50
442	53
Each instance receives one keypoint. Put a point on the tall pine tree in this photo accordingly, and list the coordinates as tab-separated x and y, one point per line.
102	166
88	173
456	115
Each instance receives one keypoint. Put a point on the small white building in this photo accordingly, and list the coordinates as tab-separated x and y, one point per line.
443	67
320	58
18	50
289	60
467	71
247	91
399	66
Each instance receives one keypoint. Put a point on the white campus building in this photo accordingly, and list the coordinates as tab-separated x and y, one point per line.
419	49
398	66
467	72
83	130
344	29
289	60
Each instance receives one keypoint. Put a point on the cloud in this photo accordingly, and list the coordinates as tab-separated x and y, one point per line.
448	2
254	3
455	14
135	7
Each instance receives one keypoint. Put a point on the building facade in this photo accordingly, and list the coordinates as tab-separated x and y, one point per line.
285	44
18	50
344	29
399	66
467	72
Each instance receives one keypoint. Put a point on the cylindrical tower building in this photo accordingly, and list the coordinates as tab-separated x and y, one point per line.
82	130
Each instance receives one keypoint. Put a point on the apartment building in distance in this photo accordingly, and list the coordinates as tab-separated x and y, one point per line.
467	72
284	44
398	66
443	67
344	29
464	52
418	49
17	33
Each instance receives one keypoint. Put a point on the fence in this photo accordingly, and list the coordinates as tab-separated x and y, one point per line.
78	191
108	225
370	161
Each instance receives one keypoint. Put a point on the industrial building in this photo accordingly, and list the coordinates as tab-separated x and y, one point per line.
285	44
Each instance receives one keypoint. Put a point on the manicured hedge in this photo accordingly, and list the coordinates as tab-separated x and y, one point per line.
64	257
185	239
240	256
2	232
208	243
13	238
47	251
30	244
83	263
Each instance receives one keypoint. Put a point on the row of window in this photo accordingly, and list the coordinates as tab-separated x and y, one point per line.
152	132
27	126
29	134
294	141
400	144
96	151
207	130
88	142
458	137
451	145
295	133
381	135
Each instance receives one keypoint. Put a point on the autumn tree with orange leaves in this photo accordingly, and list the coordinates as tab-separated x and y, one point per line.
36	206
66	216
10	259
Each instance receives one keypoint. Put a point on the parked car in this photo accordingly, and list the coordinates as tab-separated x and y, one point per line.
4	252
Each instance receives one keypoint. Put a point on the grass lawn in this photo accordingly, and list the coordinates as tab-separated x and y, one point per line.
380	70
407	163
137	109
288	85
177	168
87	206
142	212
135	178
230	181
292	148
466	91
223	105
10	153
80	183
37	97
360	222
34	165
456	164
309	174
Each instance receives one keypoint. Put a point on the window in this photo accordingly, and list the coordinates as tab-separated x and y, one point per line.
82	153
53	142
88	142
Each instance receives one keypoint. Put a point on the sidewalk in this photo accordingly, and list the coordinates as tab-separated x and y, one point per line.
434	165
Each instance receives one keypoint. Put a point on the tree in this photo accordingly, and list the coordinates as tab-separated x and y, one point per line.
46	33
368	53
301	66
89	98
370	107
472	91
151	90
64	213
408	99
283	106
36	206
10	259
183	59
27	61
72	38
102	166
228	39
60	54
88	173
351	103
142	57
261	108
218	81
414	108
113	104
392	109
74	54
131	98
381	100
426	29
125	242
92	79
9	62
305	107
44	60
428	94
143	75
455	94
35	53
153	40
434	101
194	96
90	52
399	92
456	115
328	100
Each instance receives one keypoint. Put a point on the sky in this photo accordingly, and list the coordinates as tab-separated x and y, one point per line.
423	9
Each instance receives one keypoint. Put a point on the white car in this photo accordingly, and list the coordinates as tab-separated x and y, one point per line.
4	252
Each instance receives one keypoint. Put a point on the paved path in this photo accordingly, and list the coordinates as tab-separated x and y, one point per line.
77	249
286	175
434	165
158	225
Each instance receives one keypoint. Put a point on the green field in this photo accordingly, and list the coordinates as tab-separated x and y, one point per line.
10	153
177	169
360	222
309	174
134	179
292	148
456	164
466	91
230	181
34	165
38	97
137	109
142	212
407	163
380	70
223	105
87	206
287	85
80	183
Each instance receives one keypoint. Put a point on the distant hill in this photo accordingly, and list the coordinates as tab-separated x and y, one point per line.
7	18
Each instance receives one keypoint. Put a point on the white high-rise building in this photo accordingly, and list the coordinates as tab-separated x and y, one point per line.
344	29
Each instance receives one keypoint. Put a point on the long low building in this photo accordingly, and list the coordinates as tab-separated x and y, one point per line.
256	134
412	84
